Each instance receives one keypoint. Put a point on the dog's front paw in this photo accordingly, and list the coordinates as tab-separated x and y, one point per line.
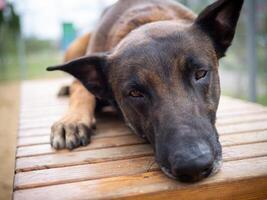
70	134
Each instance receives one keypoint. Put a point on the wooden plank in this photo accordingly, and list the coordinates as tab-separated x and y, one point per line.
62	103
45	139
231	106
105	142
82	157
35	132
41	136
119	164
53	100
78	173
233	103
230	114
251	188
33	111
102	128
42	123
39	109
84	172
57	105
244	151
42	127
49	113
96	143
243	127
38	140
244	138
262	116
155	185
117	153
58	113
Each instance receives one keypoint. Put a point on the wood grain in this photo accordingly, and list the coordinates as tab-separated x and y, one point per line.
119	165
37	149
156	182
97	143
82	157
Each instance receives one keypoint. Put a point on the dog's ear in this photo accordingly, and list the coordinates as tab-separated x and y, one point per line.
219	21
91	71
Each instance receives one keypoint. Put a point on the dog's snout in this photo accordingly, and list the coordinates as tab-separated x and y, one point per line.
193	164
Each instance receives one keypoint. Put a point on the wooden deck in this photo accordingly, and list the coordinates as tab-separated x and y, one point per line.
117	164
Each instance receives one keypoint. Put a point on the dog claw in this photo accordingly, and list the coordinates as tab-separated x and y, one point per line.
84	141
69	135
58	145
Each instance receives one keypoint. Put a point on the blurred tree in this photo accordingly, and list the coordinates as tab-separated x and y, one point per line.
263	32
13	20
9	34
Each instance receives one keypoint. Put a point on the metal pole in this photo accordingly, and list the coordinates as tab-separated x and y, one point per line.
21	56
251	49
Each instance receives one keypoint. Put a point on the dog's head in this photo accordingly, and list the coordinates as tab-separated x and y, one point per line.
164	78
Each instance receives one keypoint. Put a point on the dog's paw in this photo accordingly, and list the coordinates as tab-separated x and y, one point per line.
70	133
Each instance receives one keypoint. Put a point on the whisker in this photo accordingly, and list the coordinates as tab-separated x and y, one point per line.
150	165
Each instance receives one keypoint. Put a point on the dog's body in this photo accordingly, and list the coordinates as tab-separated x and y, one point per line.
140	58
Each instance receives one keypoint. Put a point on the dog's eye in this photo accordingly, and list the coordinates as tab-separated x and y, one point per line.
136	93
200	74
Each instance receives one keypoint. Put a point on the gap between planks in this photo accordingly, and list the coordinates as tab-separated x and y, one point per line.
223	130
116	141
41	124
45	123
112	168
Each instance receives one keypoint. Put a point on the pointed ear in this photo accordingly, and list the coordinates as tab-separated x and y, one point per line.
91	71
219	21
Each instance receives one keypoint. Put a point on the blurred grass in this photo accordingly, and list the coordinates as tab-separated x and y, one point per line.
263	100
37	56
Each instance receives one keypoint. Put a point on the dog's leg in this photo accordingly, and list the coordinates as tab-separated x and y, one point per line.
74	128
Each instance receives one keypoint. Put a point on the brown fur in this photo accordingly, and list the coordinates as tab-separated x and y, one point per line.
127	15
157	63
108	34
77	48
80	114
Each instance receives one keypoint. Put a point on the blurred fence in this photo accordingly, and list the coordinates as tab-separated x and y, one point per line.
243	71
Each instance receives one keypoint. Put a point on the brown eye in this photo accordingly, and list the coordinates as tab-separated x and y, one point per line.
200	74
136	93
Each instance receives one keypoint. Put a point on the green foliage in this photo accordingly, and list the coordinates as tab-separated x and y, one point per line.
10	19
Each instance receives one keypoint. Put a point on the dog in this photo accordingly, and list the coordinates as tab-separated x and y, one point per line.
157	63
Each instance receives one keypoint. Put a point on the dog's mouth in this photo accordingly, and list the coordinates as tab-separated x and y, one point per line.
208	173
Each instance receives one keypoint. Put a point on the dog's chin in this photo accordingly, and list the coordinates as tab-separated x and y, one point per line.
216	166
167	172
214	170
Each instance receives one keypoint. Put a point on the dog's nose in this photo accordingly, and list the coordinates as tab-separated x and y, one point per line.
194	164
